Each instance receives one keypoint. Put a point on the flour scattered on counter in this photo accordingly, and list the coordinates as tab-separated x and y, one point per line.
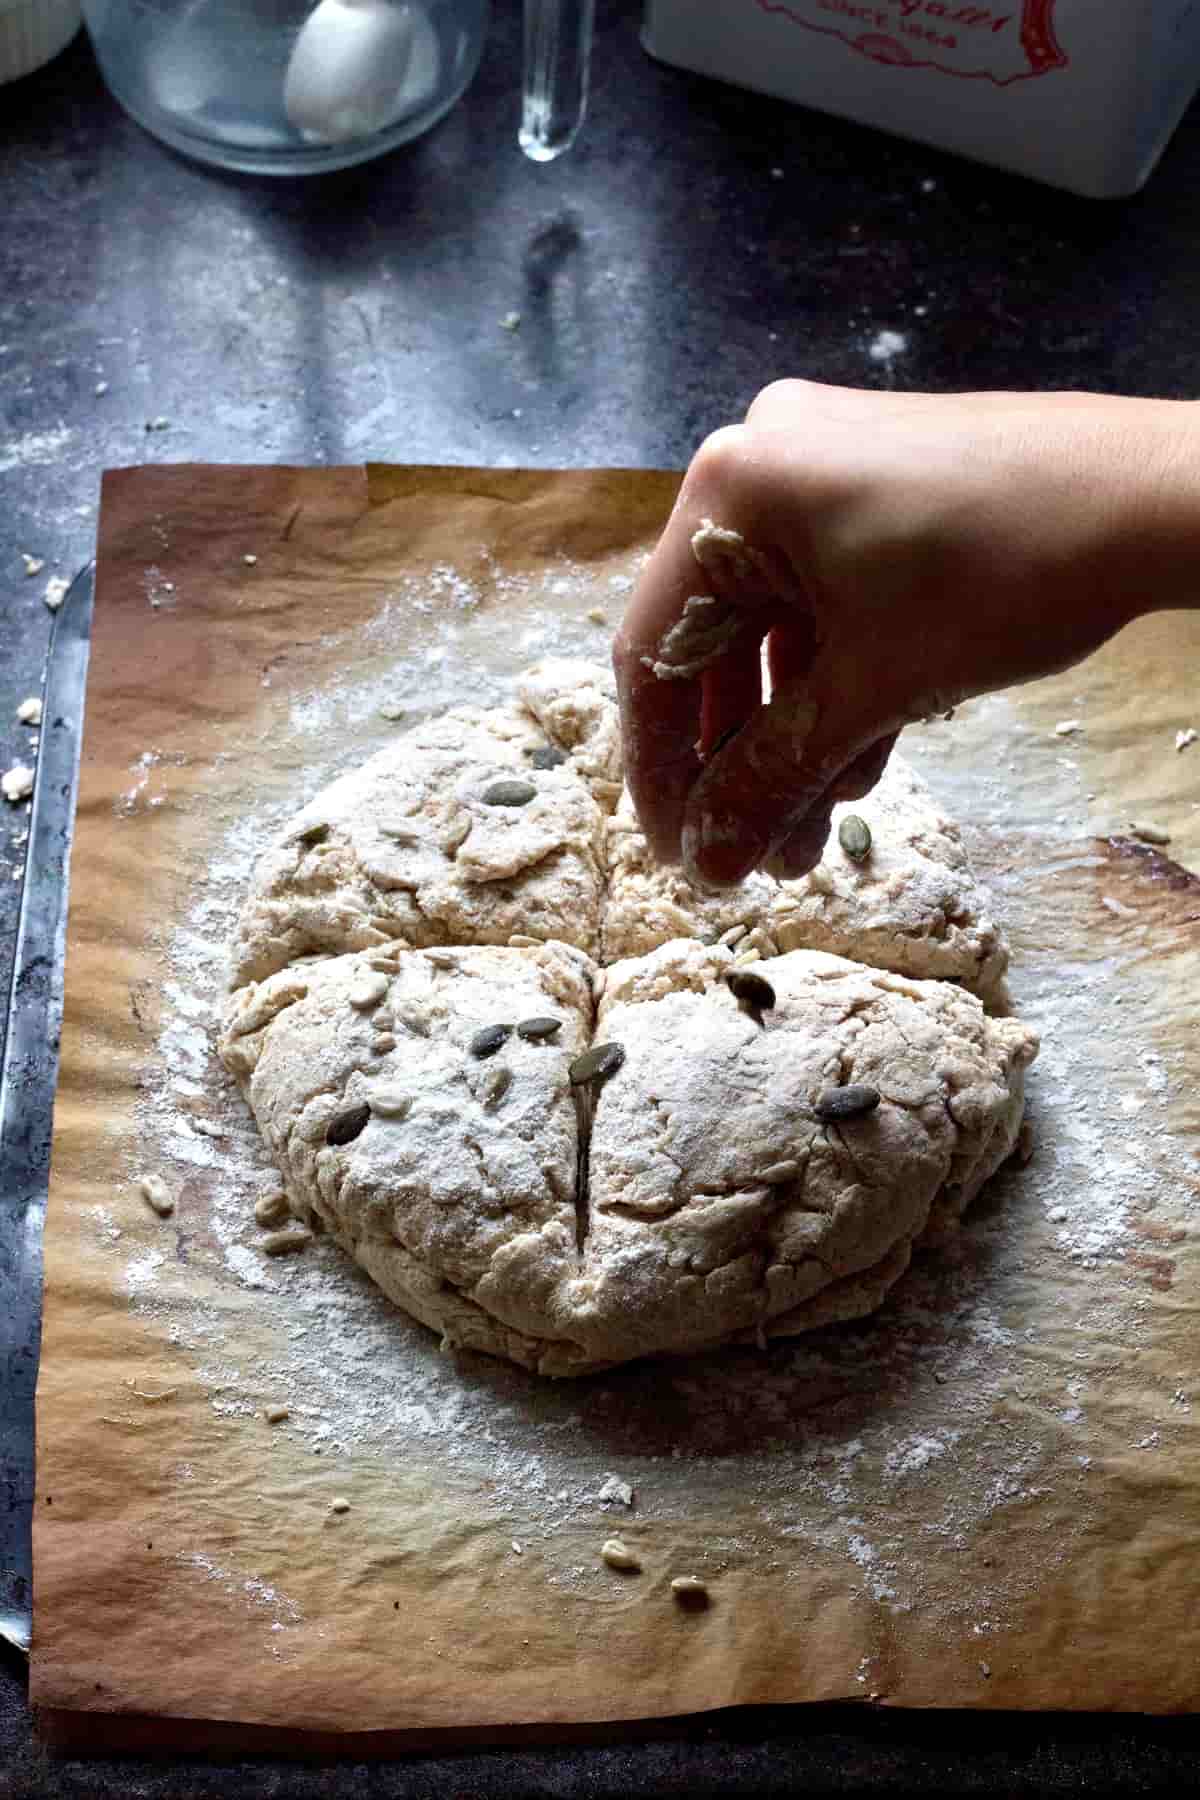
257	1592
886	346
36	447
33	564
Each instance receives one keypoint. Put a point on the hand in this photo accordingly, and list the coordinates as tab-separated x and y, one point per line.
898	553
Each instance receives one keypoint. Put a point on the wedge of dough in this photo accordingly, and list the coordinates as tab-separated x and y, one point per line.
412	848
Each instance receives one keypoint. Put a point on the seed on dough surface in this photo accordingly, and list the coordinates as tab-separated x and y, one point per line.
489	1040
849	1102
751	989
599	1061
854	835
345	1126
534	1030
509	793
547	756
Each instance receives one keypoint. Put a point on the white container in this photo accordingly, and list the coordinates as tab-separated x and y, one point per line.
1079	93
32	31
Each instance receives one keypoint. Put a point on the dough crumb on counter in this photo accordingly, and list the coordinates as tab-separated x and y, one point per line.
157	1195
285	1243
690	1590
618	1555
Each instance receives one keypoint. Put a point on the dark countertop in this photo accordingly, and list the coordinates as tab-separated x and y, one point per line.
699	242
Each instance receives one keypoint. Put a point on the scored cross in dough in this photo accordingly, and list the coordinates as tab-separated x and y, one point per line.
405	926
471	1215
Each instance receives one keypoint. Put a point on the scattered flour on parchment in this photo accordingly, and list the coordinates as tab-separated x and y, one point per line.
864	1442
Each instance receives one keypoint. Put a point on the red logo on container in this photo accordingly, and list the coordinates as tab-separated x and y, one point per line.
977	43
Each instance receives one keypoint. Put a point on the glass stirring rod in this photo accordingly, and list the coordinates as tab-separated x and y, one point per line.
558	50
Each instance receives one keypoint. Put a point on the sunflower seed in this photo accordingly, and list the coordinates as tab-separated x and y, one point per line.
509	793
401	831
534	1030
850	1102
731	936
854	835
344	1127
489	1040
497	1085
750	989
596	1064
547	756
780	1171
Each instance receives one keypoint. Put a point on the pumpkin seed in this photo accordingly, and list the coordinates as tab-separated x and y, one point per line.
345	1126
854	835
596	1064
509	793
731	937
489	1040
849	1102
535	1030
751	990
547	756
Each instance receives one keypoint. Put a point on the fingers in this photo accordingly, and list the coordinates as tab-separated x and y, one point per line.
803	849
748	796
686	656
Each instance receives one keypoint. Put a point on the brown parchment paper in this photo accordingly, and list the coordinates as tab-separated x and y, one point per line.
987	1497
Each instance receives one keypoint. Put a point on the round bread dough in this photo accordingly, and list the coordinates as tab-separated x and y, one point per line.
414	916
688	1199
